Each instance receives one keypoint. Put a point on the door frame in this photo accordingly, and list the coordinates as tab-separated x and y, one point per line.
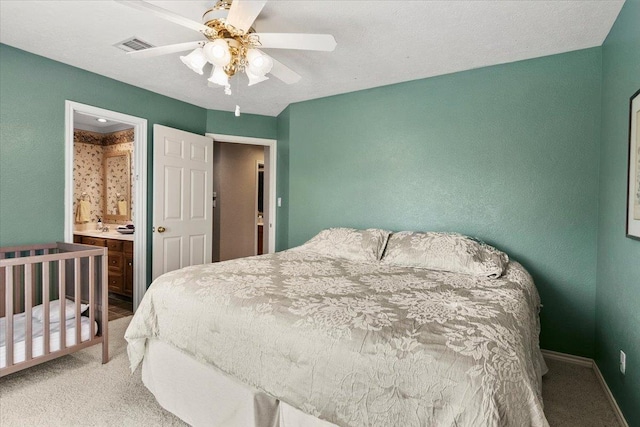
273	155
139	179
255	228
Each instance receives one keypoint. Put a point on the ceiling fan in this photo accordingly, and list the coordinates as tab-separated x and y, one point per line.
231	44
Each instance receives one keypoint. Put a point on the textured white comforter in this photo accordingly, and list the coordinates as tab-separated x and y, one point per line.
358	344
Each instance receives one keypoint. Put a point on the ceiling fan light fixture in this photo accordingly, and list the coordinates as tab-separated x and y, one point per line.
232	43
219	76
217	52
195	60
253	78
259	63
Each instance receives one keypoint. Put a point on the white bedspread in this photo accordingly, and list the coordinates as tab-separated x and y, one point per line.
358	344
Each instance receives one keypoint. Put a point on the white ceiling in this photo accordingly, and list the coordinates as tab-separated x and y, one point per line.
379	42
90	123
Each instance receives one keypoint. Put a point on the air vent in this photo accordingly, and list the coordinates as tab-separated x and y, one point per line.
133	44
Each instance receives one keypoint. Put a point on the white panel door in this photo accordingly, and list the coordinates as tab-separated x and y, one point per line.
182	199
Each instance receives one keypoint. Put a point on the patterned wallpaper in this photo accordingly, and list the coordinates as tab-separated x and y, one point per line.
87	178
96	138
116	177
88	171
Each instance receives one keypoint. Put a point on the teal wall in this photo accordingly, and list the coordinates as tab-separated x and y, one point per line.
33	90
252	125
618	283
506	153
282	224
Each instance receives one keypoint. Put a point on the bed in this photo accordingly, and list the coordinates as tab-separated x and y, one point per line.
354	328
53	302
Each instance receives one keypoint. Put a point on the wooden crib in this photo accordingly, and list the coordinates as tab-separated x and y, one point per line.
33	276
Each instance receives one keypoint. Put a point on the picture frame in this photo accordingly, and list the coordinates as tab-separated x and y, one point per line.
633	169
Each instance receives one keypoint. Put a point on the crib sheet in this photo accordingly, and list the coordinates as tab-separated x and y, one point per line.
19	329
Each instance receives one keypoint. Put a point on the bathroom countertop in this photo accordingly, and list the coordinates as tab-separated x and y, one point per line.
111	234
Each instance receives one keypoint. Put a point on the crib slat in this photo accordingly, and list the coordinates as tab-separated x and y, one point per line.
104	307
28	303
92	305
62	301
18	289
2	286
77	295
46	303
9	315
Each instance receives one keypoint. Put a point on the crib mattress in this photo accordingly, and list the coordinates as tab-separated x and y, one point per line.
19	330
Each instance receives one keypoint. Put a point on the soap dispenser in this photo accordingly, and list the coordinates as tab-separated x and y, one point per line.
99	226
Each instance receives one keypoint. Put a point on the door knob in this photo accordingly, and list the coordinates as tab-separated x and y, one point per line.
161	229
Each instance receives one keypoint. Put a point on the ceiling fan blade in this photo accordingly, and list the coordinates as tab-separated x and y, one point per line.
164	14
282	72
165	50
323	42
244	12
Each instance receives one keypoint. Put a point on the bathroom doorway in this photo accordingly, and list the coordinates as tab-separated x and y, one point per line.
105	196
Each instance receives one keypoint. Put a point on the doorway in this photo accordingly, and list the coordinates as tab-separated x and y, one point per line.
85	202
259	226
244	225
236	211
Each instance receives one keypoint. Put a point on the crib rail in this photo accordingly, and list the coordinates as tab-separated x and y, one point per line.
36	275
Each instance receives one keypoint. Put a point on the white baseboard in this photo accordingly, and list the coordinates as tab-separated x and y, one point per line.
612	399
589	363
568	358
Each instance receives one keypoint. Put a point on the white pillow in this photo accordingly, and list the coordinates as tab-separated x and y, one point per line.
54	310
445	251
349	243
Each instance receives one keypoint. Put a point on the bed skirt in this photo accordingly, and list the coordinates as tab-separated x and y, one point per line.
201	395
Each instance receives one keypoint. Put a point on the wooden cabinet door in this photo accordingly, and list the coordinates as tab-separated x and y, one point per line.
115	262
115	283
94	241
127	284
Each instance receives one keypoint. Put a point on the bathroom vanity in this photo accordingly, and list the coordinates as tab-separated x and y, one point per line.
120	257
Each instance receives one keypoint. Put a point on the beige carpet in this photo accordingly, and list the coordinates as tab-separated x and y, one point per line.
573	396
77	390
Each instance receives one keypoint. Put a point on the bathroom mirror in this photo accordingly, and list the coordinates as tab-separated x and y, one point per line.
117	187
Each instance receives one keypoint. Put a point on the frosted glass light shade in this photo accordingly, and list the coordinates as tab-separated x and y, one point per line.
259	63
217	52
219	77
253	79
195	60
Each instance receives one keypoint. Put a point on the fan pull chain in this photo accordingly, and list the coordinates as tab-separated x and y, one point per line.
237	112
